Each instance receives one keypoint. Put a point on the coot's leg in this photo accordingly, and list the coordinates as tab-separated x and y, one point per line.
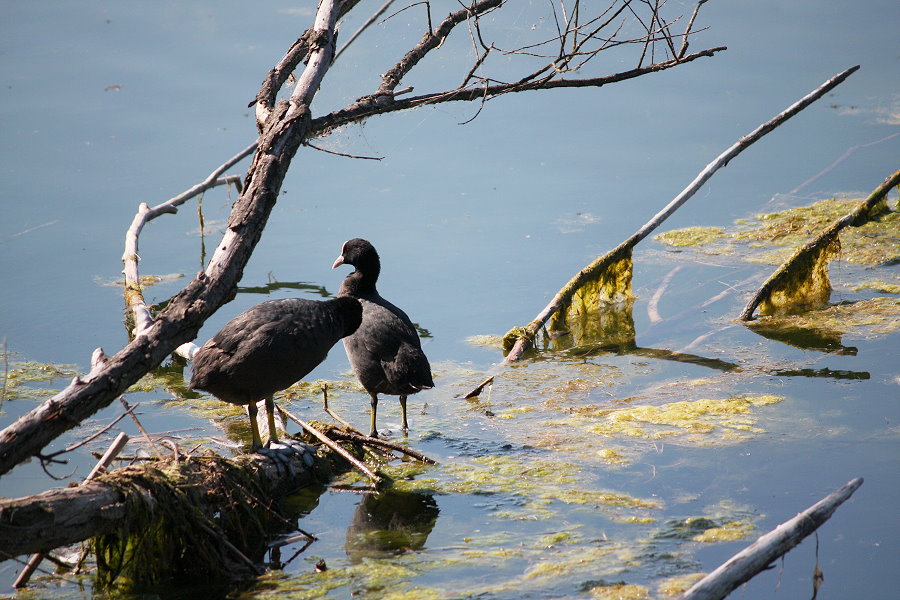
270	414
374	431
403	412
256	440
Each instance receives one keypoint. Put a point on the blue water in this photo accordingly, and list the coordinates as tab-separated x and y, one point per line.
106	105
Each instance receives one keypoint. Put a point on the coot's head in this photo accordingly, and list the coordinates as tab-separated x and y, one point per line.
362	255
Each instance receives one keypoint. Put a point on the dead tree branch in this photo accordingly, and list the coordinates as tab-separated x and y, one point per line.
748	562
134	297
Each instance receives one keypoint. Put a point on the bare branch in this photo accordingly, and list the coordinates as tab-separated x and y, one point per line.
370	105
756	557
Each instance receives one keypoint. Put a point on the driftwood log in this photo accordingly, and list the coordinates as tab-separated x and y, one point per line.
741	567
69	515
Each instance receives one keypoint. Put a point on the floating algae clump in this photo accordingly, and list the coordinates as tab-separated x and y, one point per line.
877	285
532	486
492	341
768	237
873	243
620	591
690	236
703	421
863	318
728	532
679	584
20	374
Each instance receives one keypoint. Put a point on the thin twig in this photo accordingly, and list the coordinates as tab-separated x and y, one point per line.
140	427
88	439
364	26
328	410
687	30
370	441
331	444
314	147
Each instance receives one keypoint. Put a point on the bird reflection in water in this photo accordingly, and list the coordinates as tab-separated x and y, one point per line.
389	523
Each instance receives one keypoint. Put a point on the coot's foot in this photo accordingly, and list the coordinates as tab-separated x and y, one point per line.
282	453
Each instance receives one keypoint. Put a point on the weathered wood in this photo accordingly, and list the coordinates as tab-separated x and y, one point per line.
101	466
66	516
748	562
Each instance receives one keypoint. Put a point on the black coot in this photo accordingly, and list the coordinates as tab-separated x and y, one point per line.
269	347
385	351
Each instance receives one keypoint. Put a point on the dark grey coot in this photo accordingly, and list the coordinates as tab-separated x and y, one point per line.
385	352
269	347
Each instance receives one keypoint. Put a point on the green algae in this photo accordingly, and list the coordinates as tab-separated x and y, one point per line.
604	326
703	422
802	283
21	376
863	318
768	238
620	591
877	285
730	531
673	586
144	280
690	236
491	341
383	579
606	281
608	285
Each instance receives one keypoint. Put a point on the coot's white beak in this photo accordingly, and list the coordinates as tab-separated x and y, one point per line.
338	262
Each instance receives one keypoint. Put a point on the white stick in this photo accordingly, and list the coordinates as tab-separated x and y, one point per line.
754	558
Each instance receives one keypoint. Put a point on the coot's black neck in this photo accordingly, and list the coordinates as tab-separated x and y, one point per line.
361	282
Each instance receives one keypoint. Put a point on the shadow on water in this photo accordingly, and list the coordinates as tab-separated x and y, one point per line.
274	286
390	522
804	338
825	372
611	331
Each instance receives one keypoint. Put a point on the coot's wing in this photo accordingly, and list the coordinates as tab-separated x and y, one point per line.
390	336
